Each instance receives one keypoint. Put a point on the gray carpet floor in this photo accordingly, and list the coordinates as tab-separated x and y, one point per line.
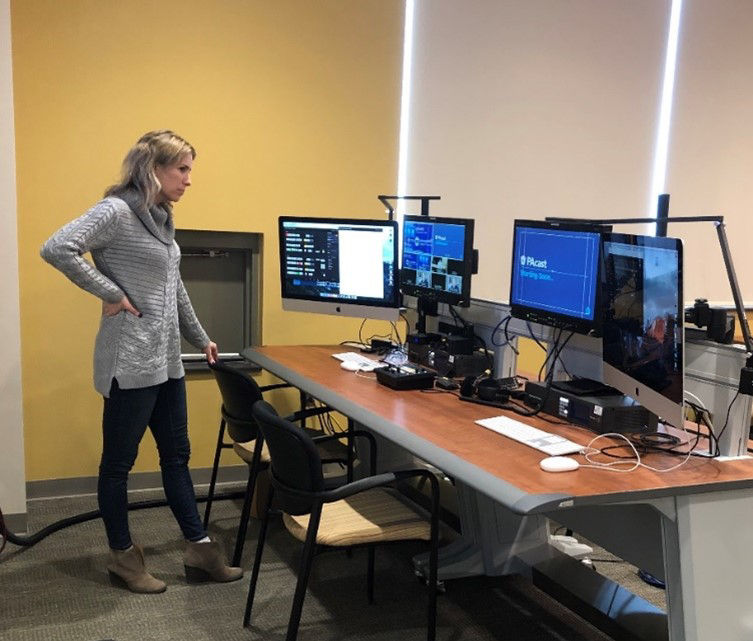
58	590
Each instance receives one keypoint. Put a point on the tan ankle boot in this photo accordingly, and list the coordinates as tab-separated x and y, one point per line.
127	567
206	562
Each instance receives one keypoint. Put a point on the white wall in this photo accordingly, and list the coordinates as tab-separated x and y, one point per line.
12	476
534	109
710	167
542	108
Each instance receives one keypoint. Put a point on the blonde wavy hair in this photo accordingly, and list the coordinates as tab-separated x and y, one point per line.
155	148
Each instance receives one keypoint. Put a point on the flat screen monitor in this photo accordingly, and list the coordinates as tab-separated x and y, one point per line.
555	274
437	259
643	321
346	267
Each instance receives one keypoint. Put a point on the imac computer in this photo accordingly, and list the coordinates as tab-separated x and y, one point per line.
346	267
555	274
642	330
437	259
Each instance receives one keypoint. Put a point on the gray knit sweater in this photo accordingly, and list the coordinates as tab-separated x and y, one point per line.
135	255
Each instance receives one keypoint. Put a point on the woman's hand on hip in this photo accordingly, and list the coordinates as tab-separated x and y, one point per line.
211	352
111	309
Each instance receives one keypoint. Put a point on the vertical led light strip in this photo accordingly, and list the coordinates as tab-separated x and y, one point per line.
402	163
665	110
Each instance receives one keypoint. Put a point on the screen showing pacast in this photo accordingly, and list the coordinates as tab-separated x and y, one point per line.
345	266
554	273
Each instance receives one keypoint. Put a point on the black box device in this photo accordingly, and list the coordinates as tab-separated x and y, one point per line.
610	413
405	377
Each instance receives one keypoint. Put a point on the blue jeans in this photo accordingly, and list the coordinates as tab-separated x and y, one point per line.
127	413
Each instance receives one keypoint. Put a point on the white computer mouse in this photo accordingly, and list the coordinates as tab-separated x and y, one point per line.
559	464
351	366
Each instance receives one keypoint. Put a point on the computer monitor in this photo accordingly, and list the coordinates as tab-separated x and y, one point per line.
555	274
643	321
437	259
346	267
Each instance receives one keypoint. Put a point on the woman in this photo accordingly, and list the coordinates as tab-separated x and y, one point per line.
137	364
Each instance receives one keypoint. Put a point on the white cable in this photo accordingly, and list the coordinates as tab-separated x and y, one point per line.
698	401
590	451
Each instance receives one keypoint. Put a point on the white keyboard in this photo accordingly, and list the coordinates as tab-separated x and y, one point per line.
550	444
366	364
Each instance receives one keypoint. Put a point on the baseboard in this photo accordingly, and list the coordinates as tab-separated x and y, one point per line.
57	488
16	523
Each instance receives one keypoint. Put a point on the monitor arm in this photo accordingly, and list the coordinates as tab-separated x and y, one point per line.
385	200
726	255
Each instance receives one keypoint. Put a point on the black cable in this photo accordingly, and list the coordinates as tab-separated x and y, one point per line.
407	324
507	337
556	349
397	334
33	539
534	337
551	354
726	420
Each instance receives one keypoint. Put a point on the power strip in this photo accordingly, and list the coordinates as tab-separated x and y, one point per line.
569	545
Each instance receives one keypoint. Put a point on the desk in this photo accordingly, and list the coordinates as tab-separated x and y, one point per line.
692	526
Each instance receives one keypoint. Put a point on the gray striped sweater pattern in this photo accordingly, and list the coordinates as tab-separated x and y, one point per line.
139	260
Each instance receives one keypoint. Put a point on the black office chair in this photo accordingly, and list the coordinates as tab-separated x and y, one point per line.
239	393
362	512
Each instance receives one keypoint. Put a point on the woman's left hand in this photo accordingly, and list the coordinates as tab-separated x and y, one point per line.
211	352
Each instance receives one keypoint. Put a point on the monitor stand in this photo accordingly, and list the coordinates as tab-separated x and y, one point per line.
425	307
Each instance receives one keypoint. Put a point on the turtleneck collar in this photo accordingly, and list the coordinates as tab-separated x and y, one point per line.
158	219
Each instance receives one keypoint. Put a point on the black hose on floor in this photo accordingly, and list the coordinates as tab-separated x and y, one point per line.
33	539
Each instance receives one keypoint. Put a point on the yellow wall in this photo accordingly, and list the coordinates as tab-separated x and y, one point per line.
293	107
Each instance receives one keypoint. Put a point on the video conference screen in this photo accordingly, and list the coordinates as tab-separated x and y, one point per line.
437	258
348	260
555	274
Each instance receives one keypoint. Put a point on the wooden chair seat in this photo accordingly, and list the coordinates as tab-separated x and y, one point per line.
374	516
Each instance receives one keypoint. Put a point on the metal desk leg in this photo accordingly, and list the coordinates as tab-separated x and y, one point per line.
491	540
709	567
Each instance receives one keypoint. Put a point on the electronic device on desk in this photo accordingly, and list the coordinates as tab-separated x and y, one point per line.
488	390
555	274
642	327
406	377
341	266
438	262
718	321
608	413
585	387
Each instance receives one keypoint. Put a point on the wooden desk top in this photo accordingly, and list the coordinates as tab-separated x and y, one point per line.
439	428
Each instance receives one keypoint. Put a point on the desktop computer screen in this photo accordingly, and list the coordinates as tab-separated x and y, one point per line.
437	259
642	349
555	274
347	267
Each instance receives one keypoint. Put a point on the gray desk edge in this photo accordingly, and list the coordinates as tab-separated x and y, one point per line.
505	493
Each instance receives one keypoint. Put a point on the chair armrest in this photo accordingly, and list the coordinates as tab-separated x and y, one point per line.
311	411
353	433
385	478
267	388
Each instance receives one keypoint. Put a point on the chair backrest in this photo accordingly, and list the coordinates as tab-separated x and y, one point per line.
239	393
295	461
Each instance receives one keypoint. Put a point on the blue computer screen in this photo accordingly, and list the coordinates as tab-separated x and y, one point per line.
437	258
555	272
